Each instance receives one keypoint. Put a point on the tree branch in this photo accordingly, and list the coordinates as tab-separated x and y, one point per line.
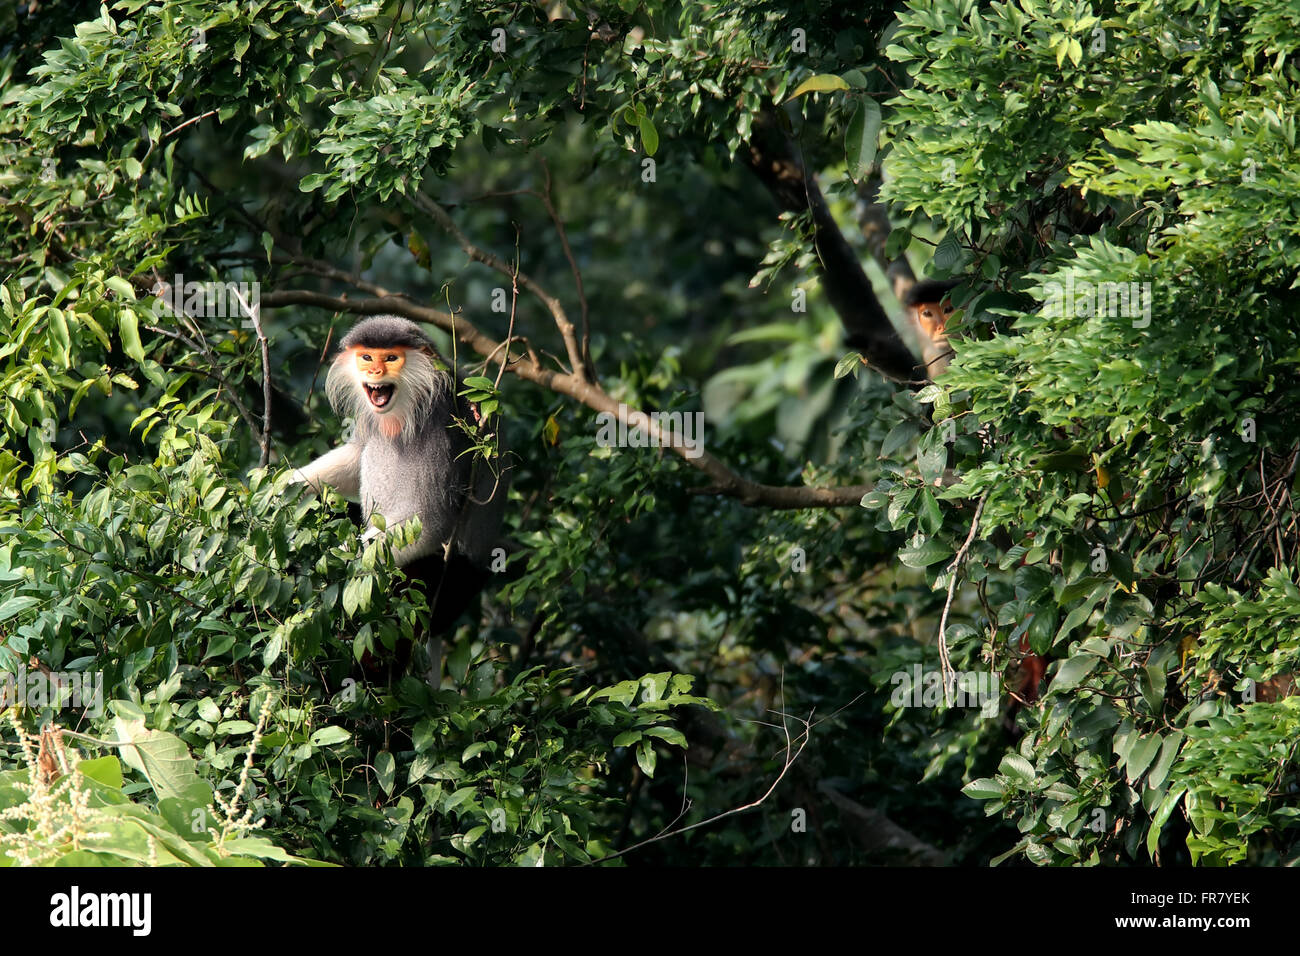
876	832
254	314
950	676
773	158
874	222
477	254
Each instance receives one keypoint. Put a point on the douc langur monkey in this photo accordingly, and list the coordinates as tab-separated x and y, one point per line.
409	455
929	306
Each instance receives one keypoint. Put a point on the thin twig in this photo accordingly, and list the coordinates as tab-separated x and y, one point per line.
573	267
176	129
492	261
790	758
254	313
945	662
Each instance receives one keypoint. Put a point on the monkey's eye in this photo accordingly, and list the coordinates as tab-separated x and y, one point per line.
365	358
390	358
947	310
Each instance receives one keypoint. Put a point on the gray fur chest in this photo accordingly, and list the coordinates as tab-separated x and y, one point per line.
401	479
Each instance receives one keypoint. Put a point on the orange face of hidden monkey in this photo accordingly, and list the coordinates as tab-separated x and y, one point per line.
930	308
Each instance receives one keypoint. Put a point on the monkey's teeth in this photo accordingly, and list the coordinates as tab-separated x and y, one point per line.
379	394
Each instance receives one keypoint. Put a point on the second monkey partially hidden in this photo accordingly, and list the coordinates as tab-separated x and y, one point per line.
931	308
410	455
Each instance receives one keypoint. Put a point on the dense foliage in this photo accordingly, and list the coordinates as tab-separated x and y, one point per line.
1100	483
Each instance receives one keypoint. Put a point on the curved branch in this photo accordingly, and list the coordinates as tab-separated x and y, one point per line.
477	254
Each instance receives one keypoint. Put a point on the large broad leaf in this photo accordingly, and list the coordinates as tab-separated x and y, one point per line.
1161	817
1017	768
164	760
949	254
1168	751
860	139
985	788
928	552
1074	670
1141	755
129	329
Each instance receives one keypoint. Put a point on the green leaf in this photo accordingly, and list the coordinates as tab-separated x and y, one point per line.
898	436
106	770
930	551
164	760
329	736
848	363
121	287
645	758
16	605
949	254
129	331
649	136
985	788
385	770
1161	817
860	139
899	239
932	456
668	734
1072	671
875	499
931	518
209	711
821	83
1017	768
59	336
1168	752
1140	756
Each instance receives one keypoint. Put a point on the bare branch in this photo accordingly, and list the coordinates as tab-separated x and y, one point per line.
876	832
254	314
790	757
491	260
949	675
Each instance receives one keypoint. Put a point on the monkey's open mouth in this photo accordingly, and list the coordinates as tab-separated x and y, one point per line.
379	395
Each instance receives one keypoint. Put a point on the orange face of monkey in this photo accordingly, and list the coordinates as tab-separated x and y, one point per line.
378	371
933	316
